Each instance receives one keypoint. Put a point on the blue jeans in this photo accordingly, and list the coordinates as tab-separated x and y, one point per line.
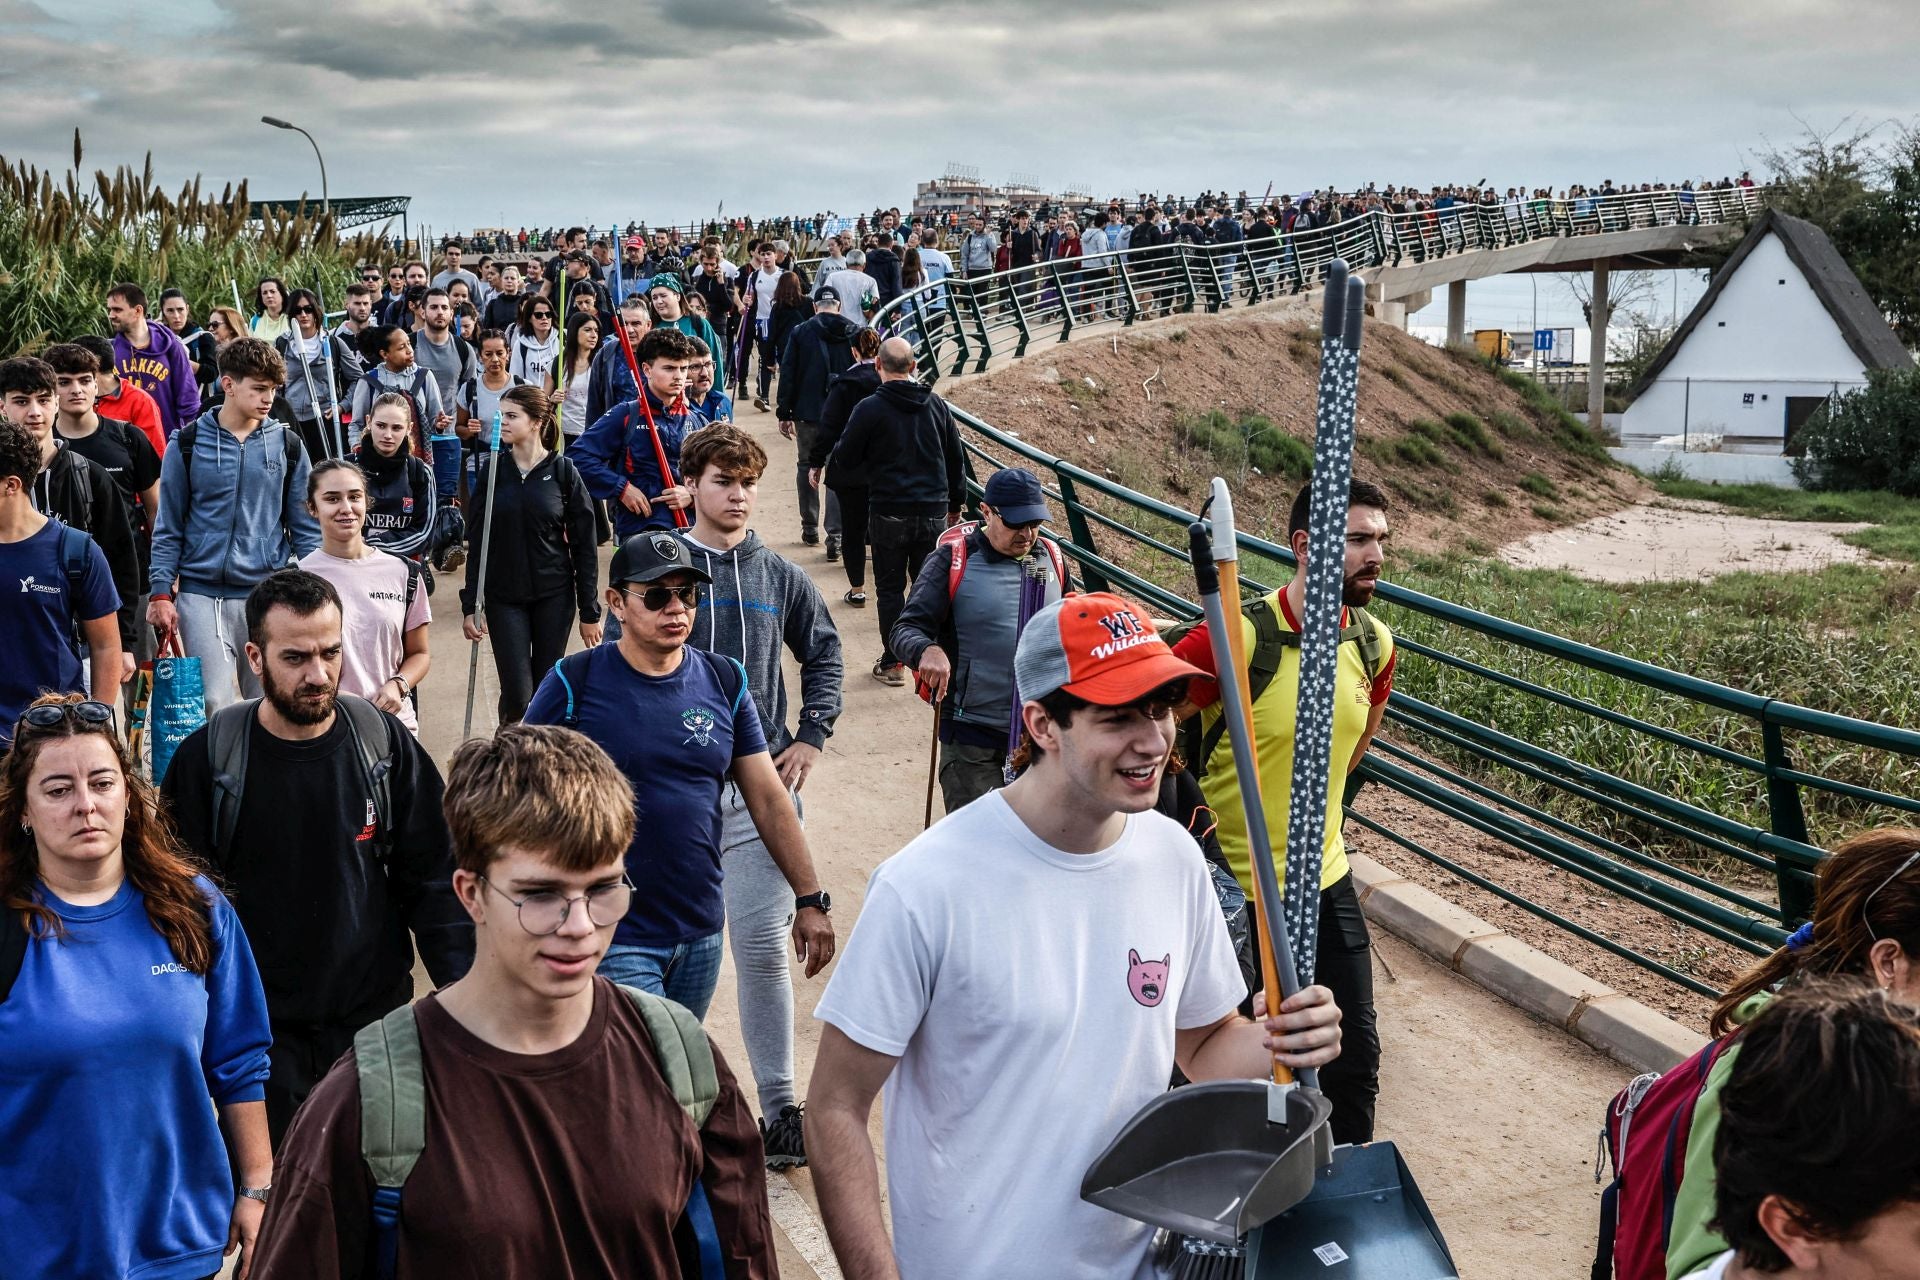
685	973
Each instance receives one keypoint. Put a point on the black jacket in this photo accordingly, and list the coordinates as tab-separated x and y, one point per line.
904	440
846	390
784	321
83	495
815	351
402	500
883	264
543	542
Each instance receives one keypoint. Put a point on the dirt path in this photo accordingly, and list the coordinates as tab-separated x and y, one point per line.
1675	540
1494	1110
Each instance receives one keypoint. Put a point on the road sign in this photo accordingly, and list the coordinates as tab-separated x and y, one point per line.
1543	339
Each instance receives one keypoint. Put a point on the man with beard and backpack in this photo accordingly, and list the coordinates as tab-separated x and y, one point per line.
903	439
321	814
816	350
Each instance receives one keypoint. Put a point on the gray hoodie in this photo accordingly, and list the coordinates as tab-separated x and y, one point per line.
758	602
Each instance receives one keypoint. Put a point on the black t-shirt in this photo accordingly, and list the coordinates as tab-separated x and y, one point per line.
1023	247
327	919
123	451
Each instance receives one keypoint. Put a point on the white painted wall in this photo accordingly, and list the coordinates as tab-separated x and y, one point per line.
1767	336
1717	468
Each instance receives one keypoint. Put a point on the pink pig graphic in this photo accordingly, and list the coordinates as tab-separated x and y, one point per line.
1147	979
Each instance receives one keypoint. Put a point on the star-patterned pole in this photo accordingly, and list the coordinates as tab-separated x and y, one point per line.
1333	439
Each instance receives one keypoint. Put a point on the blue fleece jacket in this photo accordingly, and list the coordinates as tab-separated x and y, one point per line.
232	514
111	1160
616	451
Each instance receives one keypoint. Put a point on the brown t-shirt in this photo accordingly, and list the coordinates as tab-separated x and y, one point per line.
575	1163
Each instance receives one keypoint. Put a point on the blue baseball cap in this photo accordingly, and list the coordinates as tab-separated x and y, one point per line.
1016	494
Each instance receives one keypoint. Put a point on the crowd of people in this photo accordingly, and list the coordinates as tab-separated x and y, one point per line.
209	975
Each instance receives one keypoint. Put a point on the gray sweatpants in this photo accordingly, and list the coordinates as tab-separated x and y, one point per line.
759	922
214	630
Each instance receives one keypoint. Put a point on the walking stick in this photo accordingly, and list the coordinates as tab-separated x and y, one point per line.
480	591
653	431
306	371
333	377
933	766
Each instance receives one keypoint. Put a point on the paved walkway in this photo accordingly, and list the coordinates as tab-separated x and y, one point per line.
1495	1112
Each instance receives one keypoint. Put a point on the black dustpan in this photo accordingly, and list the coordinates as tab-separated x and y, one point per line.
1205	1161
1364	1217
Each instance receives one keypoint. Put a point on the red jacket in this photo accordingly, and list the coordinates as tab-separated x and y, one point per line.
131	404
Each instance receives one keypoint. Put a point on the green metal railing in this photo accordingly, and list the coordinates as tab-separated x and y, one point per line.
1459	760
960	324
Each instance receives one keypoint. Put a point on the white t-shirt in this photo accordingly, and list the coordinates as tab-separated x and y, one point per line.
374	619
856	289
481	402
765	284
1032	997
1715	1270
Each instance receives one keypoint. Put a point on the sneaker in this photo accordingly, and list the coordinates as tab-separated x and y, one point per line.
833	546
811	537
760	403
894	674
451	559
785	1139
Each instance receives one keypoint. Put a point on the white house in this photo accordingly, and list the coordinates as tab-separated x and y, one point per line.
1784	325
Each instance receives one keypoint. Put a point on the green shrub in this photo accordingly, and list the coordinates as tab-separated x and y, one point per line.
1494	498
1418	451
1511	425
1866	439
1547	511
1429	428
1253	441
1471	434
1538	485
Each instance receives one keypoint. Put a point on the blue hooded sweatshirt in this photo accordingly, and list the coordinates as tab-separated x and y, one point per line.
616	451
111	1160
231	511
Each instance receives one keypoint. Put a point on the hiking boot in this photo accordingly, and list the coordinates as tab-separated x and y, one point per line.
894	673
785	1139
810	537
833	546
451	559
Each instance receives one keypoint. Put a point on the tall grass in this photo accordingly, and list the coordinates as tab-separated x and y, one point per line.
66	239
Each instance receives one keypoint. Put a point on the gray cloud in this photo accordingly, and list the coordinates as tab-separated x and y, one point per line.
547	111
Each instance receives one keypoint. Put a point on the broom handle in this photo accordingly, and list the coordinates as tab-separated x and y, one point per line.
480	582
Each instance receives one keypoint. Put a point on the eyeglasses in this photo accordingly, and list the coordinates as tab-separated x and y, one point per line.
544	912
656	598
1864	918
87	714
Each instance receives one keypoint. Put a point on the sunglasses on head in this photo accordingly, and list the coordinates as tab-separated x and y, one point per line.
656	598
56	713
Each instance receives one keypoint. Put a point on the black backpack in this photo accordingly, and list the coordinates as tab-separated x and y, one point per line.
229	731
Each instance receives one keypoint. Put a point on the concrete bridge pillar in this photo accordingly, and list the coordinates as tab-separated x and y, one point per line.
1456	313
1597	352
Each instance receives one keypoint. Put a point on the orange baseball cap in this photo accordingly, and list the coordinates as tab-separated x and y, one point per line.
1098	648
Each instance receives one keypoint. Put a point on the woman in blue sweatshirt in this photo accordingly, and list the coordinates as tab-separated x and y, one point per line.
134	1001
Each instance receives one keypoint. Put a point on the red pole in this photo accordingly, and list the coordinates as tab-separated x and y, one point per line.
653	432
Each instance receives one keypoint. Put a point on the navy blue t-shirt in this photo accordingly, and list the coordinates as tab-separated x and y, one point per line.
37	618
675	737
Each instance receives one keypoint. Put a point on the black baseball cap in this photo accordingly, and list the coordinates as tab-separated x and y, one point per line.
826	293
651	556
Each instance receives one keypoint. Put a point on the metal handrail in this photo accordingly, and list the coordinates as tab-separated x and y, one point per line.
963	322
1727	913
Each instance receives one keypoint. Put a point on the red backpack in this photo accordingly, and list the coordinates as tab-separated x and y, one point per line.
956	538
1645	1135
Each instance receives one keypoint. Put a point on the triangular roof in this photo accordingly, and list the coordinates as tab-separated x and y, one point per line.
1866	330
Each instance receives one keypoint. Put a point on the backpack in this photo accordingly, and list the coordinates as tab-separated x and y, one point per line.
393	1112
1644	1134
956	539
1270	641
229	731
573	668
74	560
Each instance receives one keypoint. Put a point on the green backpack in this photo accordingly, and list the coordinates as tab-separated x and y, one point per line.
1270	643
393	1111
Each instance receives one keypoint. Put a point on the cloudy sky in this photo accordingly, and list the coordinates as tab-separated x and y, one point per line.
543	111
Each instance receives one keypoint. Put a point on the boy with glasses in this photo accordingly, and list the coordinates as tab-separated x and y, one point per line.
680	723
524	1168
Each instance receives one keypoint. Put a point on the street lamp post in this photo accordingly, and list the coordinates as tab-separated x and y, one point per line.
326	207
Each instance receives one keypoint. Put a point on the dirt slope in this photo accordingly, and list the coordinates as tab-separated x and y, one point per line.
1132	405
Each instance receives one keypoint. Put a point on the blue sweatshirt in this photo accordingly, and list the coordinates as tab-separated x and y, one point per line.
234	513
616	451
111	1160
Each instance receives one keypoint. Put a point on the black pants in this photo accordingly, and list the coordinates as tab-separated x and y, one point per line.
319	439
764	346
1343	963
527	640
900	543
853	532
302	1055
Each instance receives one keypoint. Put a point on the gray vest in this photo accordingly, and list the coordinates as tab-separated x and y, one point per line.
986	615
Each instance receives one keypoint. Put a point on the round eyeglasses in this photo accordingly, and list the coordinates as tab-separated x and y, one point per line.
543	912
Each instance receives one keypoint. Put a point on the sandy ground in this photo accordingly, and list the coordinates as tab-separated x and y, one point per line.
1494	1111
1675	541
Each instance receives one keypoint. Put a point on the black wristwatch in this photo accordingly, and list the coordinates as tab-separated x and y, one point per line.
823	900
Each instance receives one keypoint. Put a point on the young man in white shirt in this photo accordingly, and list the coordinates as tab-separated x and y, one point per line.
1078	953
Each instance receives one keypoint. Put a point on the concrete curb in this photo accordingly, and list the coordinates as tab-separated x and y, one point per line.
1619	1026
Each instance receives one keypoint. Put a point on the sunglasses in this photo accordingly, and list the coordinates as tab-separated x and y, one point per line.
656	598
86	714
543	315
303	311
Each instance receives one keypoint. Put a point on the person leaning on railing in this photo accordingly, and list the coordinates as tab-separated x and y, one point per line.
1866	923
